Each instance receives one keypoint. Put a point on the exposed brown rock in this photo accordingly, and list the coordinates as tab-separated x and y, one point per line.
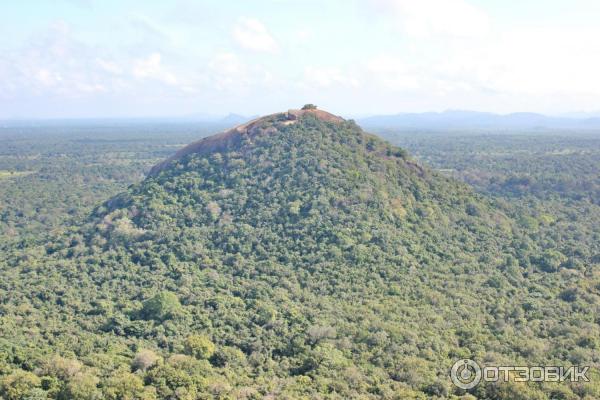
231	137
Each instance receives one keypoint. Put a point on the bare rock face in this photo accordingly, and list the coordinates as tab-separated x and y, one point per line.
260	126
324	115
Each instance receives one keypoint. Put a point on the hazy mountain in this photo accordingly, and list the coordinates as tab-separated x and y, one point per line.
454	120
236	119
581	114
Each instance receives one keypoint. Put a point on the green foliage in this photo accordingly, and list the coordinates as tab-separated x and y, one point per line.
163	305
19	385
199	346
83	386
123	385
320	261
179	376
551	260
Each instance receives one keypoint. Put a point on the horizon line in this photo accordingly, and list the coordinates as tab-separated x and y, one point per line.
574	115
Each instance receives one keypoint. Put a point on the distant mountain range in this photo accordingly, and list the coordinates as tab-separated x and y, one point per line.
217	121
451	120
456	119
236	119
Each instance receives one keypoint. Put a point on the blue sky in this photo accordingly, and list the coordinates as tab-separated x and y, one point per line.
92	58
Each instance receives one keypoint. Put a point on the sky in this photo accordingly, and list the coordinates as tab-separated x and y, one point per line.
151	58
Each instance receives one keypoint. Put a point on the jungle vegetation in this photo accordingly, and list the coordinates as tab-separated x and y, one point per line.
311	260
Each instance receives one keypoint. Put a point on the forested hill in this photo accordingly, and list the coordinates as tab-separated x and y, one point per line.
246	132
292	257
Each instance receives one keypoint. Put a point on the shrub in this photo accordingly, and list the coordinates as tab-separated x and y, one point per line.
551	260
199	346
144	359
18	385
162	306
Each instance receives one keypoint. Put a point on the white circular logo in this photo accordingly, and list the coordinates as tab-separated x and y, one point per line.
465	374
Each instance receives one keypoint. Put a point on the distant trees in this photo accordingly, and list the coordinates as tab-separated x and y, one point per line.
318	333
569	295
19	385
294	207
144	359
163	305
83	386
199	346
123	384
316	263
551	260
309	107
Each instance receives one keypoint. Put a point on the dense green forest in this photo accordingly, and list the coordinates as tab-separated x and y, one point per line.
306	259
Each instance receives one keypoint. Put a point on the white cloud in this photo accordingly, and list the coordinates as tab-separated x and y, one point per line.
304	35
325	77
91	88
47	78
227	71
251	34
53	63
109	66
526	61
545	61
150	30
392	72
424	18
151	68
438	54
